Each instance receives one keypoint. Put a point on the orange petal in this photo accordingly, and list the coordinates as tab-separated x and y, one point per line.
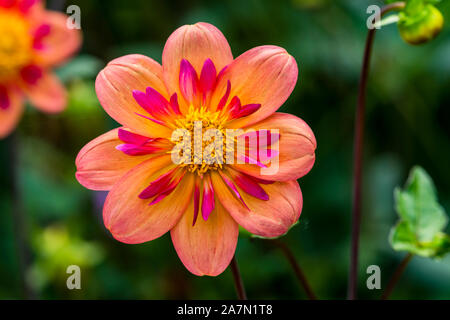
270	218
195	43
115	85
264	75
100	164
47	94
61	43
10	116
131	219
208	247
296	147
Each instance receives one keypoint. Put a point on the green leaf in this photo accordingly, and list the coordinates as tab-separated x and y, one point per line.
81	67
422	219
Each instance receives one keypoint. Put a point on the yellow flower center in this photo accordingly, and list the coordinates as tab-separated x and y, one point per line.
202	127
15	44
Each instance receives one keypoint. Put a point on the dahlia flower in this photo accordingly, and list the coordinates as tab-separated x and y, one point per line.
157	185
32	41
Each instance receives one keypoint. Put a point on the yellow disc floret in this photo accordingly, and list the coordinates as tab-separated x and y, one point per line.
198	123
15	44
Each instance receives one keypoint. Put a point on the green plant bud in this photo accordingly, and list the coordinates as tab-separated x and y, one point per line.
422	26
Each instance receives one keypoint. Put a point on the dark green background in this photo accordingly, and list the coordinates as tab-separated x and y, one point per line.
407	123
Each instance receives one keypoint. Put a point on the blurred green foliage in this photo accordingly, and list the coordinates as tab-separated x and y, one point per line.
407	123
422	219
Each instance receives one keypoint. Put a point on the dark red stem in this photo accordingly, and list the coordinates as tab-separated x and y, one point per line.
358	153
297	269
239	284
396	277
19	219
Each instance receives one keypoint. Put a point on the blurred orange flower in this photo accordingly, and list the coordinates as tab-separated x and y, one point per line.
199	89
32	41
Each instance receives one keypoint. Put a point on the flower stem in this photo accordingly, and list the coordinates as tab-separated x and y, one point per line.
358	152
239	284
57	5
396	277
18	218
298	271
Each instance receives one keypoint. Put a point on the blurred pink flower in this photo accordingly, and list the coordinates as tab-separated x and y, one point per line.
32	41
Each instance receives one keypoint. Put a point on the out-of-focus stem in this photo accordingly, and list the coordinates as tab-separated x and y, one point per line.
18	218
358	152
396	277
298	271
239	284
57	5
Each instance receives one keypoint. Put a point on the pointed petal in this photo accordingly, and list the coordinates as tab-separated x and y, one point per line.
31	74
189	82
26	5
247	110
47	93
195	43
174	104
224	99
158	185
208	247
130	137
39	34
60	43
12	110
152	102
134	150
264	75
233	188
131	219
196	200
270	218
296	148
115	85
207	78
208	198
100	165
248	184
5	101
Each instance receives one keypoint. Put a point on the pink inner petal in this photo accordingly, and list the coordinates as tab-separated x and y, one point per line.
224	99
158	185
196	201
152	102
250	160
235	106
188	81
207	78
248	110
258	180
7	3
168	190
41	32
157	100
31	74
250	186
208	198
174	104
25	5
4	98
221	73
134	138
233	188
134	150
